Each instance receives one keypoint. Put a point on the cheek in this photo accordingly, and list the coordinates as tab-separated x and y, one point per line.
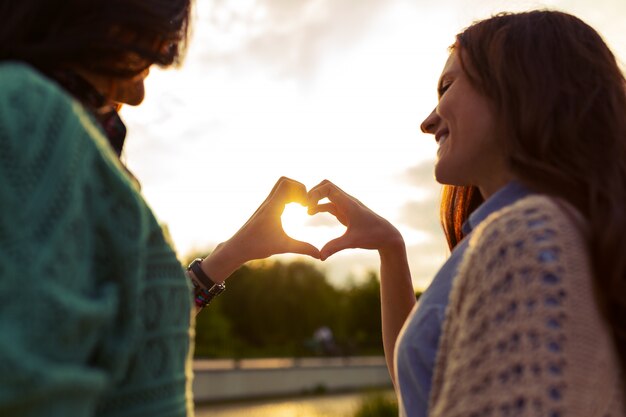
462	157
472	128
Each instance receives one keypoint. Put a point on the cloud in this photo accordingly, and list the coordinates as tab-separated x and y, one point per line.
285	35
351	266
421	215
323	220
425	260
421	176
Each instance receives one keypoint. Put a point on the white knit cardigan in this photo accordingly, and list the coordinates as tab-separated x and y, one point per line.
523	335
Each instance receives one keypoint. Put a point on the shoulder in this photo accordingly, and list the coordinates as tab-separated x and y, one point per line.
26	94
20	78
535	245
32	109
537	225
37	116
530	213
51	151
17	70
538	235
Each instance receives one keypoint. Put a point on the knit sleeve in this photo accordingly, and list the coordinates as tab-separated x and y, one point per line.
55	306
523	335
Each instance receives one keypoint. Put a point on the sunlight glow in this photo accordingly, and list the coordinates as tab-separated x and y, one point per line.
316	230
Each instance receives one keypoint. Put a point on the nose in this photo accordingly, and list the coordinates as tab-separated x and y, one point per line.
429	125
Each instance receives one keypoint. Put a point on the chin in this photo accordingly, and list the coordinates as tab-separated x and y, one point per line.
442	176
132	95
446	177
133	99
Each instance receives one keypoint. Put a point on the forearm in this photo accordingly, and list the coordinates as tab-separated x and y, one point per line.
217	266
397	298
223	261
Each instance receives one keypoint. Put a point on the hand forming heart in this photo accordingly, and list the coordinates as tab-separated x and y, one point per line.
263	234
364	228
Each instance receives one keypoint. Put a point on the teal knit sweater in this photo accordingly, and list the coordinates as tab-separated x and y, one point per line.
95	309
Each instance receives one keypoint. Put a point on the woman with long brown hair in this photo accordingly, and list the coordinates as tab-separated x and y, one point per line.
528	315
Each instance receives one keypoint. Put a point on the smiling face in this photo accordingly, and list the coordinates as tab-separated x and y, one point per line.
464	127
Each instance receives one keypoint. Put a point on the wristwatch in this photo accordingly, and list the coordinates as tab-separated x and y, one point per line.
203	295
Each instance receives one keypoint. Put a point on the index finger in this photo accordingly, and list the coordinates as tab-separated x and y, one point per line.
287	191
327	189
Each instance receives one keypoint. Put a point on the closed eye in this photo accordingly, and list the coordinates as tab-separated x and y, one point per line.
442	89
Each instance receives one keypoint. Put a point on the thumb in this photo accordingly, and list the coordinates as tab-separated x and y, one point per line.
303	248
333	247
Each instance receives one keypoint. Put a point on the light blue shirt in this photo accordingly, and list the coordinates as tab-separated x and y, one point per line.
418	342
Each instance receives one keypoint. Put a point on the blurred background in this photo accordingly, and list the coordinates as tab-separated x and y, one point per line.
312	90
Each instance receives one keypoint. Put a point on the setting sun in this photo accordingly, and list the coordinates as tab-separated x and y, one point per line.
316	230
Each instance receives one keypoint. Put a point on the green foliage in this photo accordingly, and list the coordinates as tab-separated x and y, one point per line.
216	334
272	309
278	307
361	315
378	404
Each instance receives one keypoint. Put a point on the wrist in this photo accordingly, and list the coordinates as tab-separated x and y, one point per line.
392	247
222	262
205	289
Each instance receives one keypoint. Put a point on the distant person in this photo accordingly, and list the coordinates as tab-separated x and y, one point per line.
528	315
325	341
95	309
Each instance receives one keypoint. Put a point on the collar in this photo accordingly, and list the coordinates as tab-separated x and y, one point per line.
505	196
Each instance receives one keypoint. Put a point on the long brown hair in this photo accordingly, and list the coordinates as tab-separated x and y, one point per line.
560	99
109	37
457	203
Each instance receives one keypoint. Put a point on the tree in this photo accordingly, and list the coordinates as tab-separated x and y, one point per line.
363	325
273	309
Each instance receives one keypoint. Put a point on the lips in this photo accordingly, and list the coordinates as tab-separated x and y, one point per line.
441	136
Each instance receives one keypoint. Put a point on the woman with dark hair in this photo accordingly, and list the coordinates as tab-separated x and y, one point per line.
528	315
100	52
95	310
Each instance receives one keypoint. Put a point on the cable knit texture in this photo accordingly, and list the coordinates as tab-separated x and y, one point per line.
523	335
95	309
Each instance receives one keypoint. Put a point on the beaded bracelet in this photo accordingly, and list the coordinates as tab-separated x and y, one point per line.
202	296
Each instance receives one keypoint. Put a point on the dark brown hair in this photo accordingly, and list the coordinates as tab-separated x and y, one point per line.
560	99
109	37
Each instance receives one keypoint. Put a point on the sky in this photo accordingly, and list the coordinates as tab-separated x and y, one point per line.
311	90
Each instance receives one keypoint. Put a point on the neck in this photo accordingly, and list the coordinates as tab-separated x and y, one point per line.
490	187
